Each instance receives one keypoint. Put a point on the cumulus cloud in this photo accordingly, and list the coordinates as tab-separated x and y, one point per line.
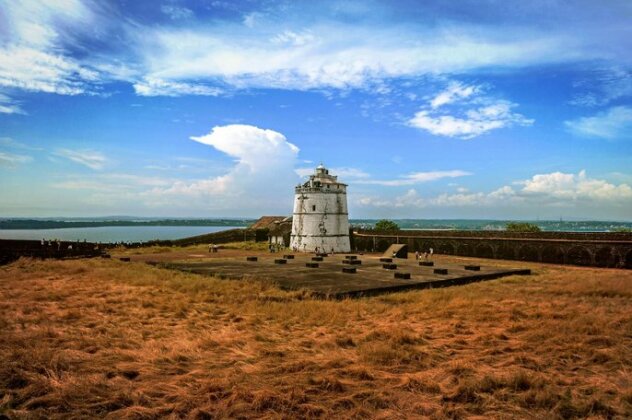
542	190
612	124
559	185
89	158
478	113
263	172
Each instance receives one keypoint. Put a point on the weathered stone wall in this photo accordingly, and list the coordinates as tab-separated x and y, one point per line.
588	249
320	220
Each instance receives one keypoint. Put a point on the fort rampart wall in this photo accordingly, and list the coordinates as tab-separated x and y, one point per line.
587	249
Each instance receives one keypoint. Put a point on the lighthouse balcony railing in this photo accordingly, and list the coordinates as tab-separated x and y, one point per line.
319	190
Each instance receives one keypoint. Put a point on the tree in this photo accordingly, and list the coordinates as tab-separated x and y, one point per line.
385	225
522	227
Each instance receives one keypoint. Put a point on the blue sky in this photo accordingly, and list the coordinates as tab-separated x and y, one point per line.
435	109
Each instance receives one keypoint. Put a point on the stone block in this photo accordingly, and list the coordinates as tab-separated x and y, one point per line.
426	263
311	265
441	271
399	275
386	260
280	261
317	258
473	267
252	259
348	270
389	266
289	257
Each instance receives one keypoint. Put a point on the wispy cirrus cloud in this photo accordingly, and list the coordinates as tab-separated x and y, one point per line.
416	178
9	106
89	158
611	124
12	160
176	12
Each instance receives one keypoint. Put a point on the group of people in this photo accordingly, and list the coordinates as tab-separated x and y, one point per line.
275	247
213	248
426	255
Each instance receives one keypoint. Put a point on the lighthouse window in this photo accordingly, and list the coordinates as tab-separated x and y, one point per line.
314	208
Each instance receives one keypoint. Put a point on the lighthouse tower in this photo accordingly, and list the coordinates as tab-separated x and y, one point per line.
321	218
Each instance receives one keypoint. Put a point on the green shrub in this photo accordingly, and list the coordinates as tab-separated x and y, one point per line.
385	225
522	227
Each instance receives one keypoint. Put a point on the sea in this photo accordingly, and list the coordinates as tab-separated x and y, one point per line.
148	233
112	234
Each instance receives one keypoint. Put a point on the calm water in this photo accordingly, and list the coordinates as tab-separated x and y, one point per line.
112	233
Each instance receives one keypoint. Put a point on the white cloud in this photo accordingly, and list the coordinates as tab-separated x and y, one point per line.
453	92
176	12
293	38
480	113
416	178
614	123
332	55
157	87
601	86
9	106
263	173
12	160
32	56
543	190
90	158
559	185
341	172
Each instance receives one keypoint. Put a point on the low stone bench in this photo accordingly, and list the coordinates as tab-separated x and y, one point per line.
441	271
106	256
352	262
311	265
349	270
317	258
351	257
405	276
322	254
289	257
389	266
125	259
426	263
252	259
280	261
386	260
473	267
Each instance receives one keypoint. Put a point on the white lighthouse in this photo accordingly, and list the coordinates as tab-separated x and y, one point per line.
321	219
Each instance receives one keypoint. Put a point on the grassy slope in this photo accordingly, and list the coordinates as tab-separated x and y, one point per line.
95	337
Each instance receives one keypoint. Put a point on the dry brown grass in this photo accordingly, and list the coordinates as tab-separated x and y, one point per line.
98	338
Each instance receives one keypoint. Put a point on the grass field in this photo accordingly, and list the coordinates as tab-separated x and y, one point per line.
96	338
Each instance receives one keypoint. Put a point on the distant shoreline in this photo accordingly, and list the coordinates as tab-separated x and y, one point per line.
15	224
404	224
